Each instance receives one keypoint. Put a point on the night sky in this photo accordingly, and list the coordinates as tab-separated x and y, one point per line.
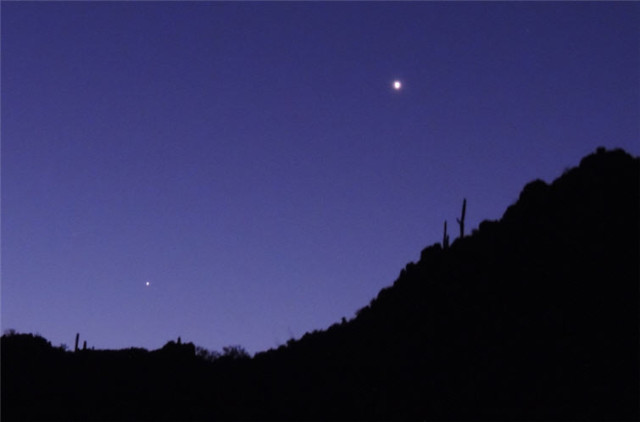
253	163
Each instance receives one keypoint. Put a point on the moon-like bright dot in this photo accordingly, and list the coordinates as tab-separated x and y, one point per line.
147	283
397	85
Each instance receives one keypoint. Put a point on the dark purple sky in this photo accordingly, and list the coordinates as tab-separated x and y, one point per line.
252	162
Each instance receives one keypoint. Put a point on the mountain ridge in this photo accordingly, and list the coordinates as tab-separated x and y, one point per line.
533	316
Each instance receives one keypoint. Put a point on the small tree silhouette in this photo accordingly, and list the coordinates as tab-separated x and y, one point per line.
234	352
207	355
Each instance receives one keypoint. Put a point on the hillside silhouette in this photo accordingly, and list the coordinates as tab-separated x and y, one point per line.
532	317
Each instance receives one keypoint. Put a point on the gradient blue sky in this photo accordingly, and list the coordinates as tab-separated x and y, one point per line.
252	162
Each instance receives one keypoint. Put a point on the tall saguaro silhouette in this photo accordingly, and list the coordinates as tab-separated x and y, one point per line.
461	219
77	340
445	238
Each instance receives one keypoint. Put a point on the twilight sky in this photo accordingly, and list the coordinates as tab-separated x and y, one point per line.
252	162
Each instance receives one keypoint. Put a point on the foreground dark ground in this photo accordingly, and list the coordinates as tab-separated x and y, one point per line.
533	317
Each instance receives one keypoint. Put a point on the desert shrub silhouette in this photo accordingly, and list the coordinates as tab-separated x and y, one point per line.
234	352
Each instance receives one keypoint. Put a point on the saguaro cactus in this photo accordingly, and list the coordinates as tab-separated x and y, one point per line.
445	238
84	345
77	340
461	219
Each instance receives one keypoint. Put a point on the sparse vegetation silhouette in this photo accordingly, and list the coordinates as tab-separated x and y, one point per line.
534	316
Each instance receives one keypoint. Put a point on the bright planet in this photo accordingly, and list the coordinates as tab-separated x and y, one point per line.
397	85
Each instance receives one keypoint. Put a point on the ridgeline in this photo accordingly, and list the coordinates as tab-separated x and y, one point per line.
534	316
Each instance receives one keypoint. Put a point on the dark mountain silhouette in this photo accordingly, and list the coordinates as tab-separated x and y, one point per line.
533	317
